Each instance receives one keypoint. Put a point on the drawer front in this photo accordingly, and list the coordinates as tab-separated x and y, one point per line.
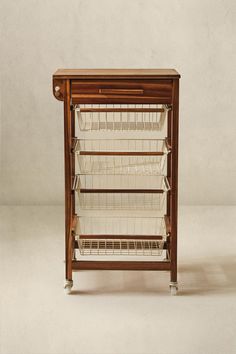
121	91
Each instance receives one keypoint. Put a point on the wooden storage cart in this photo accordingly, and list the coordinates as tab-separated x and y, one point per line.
121	169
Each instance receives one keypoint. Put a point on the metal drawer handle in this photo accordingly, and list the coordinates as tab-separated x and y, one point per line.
122	91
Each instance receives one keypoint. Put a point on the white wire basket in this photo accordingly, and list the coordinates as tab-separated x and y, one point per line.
121	192
125	247
121	156
121	117
115	201
120	236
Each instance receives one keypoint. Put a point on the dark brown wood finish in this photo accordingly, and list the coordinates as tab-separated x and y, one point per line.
174	180
111	91
117	109
113	99
118	74
121	153
121	265
68	180
103	190
134	86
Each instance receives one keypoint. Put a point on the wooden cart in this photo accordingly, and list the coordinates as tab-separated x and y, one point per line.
121	159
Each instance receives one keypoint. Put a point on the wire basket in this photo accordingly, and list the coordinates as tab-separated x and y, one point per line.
121	117
126	247
120	236
126	226
121	192
121	156
115	201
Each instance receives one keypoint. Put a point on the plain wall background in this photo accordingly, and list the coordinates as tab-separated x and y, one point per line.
195	37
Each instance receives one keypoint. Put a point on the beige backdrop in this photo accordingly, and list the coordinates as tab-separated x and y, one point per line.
195	37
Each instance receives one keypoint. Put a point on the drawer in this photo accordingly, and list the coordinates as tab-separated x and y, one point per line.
121	91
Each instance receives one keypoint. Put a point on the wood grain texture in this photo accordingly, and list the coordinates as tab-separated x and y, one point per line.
118	109
68	182
117	190
174	181
115	73
121	265
119	99
121	153
124	91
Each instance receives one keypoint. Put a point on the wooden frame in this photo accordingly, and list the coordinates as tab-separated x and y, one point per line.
74	86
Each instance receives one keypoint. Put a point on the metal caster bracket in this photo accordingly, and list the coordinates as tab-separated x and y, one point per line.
68	286
173	288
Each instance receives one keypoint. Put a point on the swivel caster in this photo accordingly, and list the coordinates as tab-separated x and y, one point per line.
173	288
68	286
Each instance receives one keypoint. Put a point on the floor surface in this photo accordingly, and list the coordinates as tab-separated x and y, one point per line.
117	312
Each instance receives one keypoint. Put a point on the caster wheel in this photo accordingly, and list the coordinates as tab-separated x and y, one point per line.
173	288
68	286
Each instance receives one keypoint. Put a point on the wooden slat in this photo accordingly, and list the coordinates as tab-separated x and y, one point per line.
122	153
119	110
103	190
121	265
133	237
99	98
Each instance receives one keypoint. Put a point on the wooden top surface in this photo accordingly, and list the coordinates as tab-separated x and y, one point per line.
115	73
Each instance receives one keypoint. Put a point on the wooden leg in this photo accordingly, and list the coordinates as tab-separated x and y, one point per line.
68	184
174	185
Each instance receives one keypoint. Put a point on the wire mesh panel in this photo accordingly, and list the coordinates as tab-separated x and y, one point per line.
121	117
121	156
129	247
